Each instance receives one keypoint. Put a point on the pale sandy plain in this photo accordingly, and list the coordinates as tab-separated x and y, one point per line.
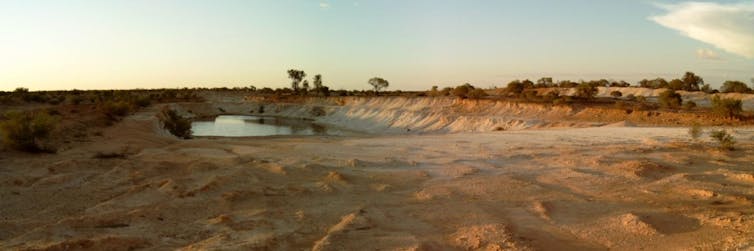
537	185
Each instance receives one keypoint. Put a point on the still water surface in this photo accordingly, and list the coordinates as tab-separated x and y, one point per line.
246	126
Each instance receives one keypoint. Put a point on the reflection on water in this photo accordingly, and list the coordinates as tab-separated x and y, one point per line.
244	126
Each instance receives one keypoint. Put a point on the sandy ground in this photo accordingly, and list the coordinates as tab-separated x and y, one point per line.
623	188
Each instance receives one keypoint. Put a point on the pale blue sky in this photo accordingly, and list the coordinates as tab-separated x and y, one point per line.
66	44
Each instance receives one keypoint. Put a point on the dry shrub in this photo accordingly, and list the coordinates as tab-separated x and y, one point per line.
727	107
670	99
725	140
114	110
318	111
476	94
27	131
695	131
175	124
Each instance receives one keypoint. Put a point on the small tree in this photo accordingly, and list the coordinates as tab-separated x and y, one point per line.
378	84
691	81
317	82
735	86
725	140
462	91
676	84
296	76
670	99
515	87
305	85
727	106
586	90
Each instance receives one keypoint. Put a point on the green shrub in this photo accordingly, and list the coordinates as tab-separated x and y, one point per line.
725	140
670	99
727	107
27	131
175	124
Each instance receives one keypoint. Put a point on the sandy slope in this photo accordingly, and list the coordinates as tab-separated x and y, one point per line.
412	115
556	189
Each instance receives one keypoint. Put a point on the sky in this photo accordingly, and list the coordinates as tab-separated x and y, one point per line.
414	44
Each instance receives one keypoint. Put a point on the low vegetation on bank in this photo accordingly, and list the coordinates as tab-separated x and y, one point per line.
174	123
28	130
36	121
37	115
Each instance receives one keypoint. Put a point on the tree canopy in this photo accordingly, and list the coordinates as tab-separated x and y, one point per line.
735	86
378	83
296	76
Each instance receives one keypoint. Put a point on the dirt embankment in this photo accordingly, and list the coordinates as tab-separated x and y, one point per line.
445	114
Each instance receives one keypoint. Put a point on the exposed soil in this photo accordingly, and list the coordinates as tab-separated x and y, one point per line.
594	188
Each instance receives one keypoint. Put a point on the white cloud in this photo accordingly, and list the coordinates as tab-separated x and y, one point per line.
324	5
729	27
707	54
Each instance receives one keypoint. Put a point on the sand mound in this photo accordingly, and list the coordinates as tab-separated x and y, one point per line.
355	227
700	193
616	231
459	171
485	237
745	177
642	169
430	193
334	176
634	224
542	209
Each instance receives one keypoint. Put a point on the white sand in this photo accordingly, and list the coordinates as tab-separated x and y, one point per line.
615	187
